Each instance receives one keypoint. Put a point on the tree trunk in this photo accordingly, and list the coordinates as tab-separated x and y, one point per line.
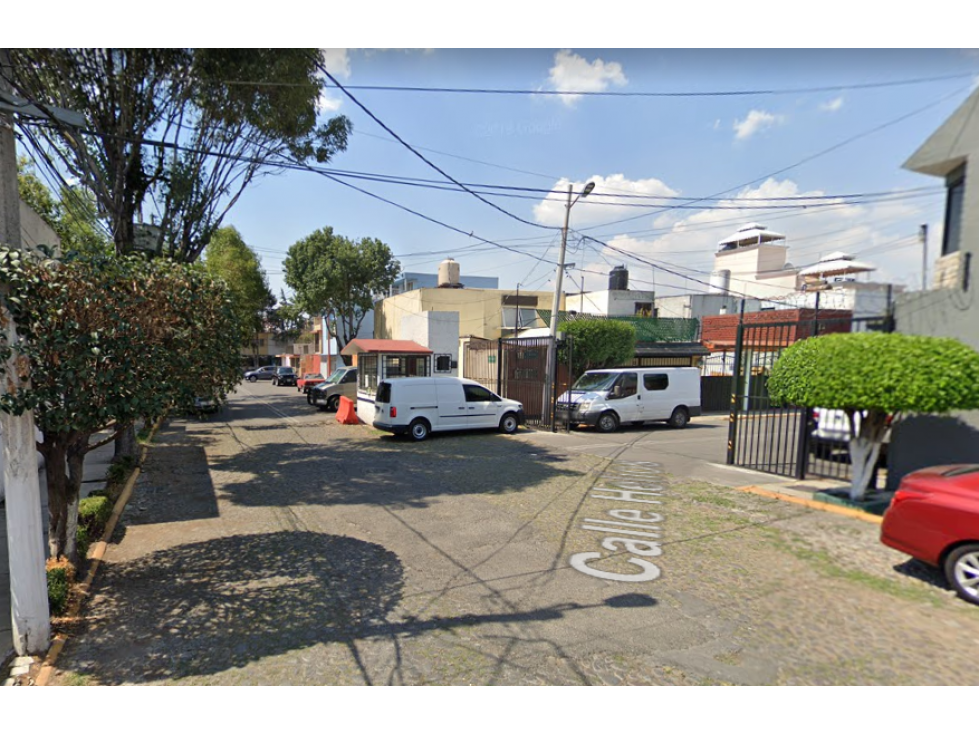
126	443
76	472
865	443
57	481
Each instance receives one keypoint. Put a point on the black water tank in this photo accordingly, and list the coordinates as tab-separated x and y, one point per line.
618	279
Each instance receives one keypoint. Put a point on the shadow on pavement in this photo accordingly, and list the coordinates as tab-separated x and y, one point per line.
202	608
384	470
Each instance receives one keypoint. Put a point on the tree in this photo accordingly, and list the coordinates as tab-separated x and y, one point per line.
333	275
599	343
876	379
74	218
109	340
228	257
184	129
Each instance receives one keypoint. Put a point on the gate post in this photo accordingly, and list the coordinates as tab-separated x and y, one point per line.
802	449
499	367
732	429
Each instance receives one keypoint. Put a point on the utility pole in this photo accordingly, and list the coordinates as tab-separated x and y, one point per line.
552	352
923	237
30	622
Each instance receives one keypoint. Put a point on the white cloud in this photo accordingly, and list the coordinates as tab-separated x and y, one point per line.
756	121
336	61
599	207
328	103
574	73
833	105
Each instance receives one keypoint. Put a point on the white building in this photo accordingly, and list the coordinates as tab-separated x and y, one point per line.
618	300
753	263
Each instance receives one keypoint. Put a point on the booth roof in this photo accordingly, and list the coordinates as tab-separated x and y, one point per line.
390	346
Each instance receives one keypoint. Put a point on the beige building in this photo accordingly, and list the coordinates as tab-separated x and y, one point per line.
489	314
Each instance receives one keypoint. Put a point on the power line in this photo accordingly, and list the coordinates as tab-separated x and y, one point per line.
621	93
422	157
823	152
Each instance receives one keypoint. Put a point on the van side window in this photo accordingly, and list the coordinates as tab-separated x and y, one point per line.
629	382
656	382
350	377
477	394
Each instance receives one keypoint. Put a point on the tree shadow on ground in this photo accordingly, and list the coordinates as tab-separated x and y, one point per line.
384	470
202	608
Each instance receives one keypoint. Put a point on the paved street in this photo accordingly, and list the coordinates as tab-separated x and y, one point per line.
270	545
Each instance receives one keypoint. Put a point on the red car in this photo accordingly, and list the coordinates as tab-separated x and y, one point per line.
934	517
307	381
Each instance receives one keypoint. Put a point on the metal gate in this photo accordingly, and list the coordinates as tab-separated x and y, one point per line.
779	439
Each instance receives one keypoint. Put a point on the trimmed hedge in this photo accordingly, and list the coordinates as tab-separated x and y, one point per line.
61	575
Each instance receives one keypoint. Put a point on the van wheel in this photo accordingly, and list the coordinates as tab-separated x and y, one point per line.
333	404
608	422
680	417
509	424
419	429
309	398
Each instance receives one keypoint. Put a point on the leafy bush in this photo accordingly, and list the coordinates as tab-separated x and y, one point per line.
82	541
599	343
892	373
61	575
93	513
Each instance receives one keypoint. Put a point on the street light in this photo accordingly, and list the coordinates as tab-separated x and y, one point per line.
552	352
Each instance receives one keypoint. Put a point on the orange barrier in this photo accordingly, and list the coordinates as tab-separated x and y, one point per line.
346	413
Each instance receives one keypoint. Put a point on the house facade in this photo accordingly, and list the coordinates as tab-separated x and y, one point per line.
950	307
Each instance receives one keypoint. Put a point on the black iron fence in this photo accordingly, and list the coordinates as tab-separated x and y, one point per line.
789	441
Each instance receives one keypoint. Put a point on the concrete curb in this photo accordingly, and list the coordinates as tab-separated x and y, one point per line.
95	555
813	504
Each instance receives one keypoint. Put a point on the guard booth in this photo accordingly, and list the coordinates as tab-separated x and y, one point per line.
384	359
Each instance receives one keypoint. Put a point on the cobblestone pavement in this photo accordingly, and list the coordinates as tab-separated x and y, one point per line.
270	545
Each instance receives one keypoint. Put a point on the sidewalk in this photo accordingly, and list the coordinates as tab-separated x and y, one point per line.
96	466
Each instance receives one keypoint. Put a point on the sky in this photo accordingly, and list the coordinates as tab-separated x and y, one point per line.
809	143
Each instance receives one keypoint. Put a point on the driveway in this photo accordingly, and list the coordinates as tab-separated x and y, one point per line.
271	545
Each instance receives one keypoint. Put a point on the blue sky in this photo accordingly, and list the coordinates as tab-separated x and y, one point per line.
687	146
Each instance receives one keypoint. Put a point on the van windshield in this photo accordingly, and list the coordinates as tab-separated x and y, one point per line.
335	377
595	381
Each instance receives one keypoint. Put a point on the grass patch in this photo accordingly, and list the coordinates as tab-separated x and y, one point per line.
77	679
827	566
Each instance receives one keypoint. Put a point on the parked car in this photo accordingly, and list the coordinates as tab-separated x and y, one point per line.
262	373
608	398
831	435
304	383
419	405
284	376
326	395
934	517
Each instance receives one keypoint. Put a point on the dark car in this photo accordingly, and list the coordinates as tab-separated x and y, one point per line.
262	373
285	376
934	517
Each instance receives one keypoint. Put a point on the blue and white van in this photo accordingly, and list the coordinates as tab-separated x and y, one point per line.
418	406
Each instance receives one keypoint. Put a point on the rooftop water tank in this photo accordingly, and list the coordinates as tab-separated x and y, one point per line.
618	279
449	274
720	281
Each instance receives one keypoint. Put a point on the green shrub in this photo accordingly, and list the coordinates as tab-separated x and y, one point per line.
94	512
60	577
599	343
82	542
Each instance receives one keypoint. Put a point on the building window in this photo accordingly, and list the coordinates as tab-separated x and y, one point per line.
405	367
367	373
953	211
644	308
443	363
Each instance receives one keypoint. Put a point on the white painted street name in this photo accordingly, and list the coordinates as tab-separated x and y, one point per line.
632	530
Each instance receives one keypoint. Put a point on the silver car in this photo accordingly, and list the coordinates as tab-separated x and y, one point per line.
326	395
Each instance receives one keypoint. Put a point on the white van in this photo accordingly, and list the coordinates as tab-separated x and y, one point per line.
608	398
419	405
